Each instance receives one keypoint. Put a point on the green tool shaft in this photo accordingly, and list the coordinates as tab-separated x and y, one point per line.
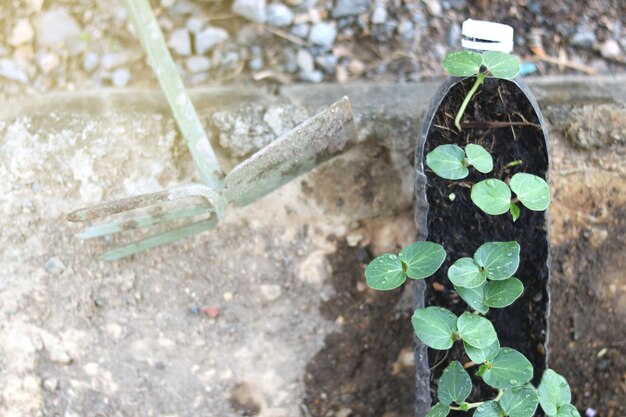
149	33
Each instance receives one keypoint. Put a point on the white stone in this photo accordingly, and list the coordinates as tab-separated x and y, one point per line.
22	33
197	64
209	38
180	42
270	292
56	26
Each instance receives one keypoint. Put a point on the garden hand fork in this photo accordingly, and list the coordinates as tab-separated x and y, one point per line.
193	208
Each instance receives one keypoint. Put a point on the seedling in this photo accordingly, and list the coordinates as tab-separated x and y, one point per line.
468	64
484	281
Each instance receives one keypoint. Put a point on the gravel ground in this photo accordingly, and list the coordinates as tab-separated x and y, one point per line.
79	44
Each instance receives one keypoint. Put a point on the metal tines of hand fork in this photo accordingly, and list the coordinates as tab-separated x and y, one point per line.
189	209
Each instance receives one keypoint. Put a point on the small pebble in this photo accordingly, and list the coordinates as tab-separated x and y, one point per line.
323	34
270	292
195	24
47	62
279	15
379	15
305	61
91	62
22	33
584	39
115	59
54	266
301	30
180	42
438	287
55	26
227	296
212	312
590	412
610	49
197	64
120	77
51	384
250	9
349	8
11	71
208	39
312	76
229	60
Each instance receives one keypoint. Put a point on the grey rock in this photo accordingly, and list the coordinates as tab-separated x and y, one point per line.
197	64
406	30
379	15
279	15
209	38
180	42
21	33
120	77
56	26
195	24
454	34
114	60
51	384
312	76
91	61
349	8
305	61
323	34
610	49
270	292
11	71
301	30
256	63
54	266
229	60
250	9
327	62
584	39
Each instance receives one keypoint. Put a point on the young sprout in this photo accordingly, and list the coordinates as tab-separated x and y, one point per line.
451	162
490	63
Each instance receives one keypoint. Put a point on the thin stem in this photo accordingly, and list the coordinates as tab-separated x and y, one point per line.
480	78
469	406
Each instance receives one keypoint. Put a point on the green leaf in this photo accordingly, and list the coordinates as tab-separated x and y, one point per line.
515	211
479	158
455	384
463	63
476	330
474	297
567	410
447	161
422	259
435	327
532	191
439	410
500	294
492	196
519	401
508	369
385	272
501	65
482	355
488	409
499	259
465	272
553	391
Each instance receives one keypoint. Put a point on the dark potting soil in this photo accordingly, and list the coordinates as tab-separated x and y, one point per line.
461	227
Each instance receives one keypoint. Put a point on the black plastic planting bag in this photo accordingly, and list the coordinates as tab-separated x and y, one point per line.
445	214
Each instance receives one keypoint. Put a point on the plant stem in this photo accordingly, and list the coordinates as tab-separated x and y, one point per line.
480	78
469	406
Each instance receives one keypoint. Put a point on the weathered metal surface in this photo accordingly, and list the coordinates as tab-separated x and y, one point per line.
310	144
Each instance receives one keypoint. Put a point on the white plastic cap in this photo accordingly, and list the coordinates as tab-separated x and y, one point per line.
487	36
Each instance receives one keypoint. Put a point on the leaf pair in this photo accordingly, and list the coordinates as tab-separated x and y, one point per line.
555	396
494	196
417	261
451	162
515	402
494	260
438	328
468	63
496	294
